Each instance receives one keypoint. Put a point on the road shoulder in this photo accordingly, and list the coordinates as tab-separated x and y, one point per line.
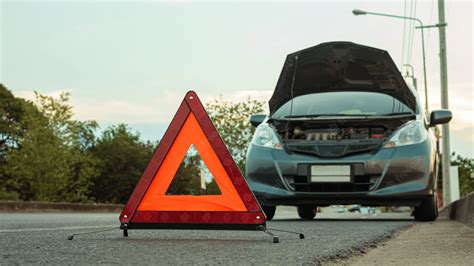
444	242
41	207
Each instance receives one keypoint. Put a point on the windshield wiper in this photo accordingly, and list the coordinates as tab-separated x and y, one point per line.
394	114
322	115
342	115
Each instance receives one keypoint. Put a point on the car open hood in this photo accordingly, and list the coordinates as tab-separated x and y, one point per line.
340	66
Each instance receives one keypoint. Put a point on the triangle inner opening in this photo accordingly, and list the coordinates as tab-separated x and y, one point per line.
193	177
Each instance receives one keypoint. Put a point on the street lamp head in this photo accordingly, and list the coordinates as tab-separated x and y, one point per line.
357	12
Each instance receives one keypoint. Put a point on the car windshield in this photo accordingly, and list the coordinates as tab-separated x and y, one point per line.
341	104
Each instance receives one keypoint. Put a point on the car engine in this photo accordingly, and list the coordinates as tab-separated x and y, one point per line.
322	134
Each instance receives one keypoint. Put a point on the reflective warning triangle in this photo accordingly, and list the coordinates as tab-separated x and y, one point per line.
150	207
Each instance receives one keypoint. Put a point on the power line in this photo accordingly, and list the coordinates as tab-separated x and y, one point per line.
432	67
429	29
404	34
412	31
409	32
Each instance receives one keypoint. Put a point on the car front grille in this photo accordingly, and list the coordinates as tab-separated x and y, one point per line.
328	150
360	184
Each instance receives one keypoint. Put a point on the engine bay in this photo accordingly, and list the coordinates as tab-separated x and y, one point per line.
344	133
336	137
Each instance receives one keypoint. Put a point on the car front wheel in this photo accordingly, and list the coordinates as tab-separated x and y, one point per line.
428	209
307	212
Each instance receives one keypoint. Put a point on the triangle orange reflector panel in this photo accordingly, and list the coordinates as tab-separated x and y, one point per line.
156	199
150	207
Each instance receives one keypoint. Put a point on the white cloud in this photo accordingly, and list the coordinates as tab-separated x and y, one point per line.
147	111
252	94
30	95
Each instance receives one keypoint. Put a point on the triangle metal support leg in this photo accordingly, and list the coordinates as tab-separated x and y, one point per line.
124	227
301	235
275	238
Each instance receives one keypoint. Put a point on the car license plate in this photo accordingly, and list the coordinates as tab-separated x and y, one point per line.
330	173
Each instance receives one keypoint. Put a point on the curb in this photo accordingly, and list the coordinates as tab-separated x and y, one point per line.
461	210
33	206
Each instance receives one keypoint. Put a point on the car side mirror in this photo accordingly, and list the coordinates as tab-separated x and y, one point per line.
256	120
442	116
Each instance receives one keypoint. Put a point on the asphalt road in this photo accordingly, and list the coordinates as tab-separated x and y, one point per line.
42	238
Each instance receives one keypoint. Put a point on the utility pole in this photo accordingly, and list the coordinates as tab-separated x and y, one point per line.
446	155
203	179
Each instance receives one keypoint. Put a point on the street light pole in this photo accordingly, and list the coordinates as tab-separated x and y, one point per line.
357	12
446	159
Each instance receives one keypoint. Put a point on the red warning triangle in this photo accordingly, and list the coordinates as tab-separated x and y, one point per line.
150	207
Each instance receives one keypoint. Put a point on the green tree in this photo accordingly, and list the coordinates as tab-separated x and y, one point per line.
11	113
123	160
79	138
12	129
187	179
232	122
52	162
213	188
39	169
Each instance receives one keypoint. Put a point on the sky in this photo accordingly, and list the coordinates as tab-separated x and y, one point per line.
133	61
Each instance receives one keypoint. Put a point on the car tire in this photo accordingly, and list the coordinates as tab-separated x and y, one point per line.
307	212
428	210
269	212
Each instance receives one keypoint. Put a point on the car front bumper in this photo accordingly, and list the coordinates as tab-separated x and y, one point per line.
400	176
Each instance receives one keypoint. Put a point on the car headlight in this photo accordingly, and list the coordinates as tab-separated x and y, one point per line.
411	133
266	137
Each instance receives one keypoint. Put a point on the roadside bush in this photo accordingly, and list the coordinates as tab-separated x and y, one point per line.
8	195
